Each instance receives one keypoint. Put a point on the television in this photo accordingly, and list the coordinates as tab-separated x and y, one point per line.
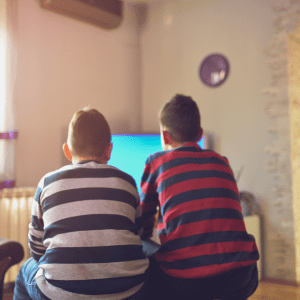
130	152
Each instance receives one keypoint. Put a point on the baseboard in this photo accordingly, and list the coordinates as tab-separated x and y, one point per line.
280	281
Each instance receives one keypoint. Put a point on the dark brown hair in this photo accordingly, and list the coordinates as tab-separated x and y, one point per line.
89	133
181	118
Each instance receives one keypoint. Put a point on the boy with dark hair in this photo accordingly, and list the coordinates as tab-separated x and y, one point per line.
205	250
86	224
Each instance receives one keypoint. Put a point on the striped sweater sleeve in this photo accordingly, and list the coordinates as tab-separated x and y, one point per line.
139	220
36	227
149	200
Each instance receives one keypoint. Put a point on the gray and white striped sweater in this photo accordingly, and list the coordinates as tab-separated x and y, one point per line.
85	234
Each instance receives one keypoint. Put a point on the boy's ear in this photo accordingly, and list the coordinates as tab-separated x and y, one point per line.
67	151
107	152
166	137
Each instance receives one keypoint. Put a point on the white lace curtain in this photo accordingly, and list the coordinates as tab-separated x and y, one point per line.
8	133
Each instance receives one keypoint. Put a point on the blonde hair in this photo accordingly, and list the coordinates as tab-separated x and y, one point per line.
89	133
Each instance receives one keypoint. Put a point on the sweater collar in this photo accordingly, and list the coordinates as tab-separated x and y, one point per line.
88	161
191	144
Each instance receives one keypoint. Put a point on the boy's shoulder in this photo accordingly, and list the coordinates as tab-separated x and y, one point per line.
184	155
157	155
85	170
205	153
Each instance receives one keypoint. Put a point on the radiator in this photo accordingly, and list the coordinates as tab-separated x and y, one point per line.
15	216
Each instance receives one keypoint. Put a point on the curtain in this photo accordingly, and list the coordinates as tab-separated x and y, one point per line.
8	133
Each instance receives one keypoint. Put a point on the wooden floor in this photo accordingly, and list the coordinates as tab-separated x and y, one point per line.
272	290
267	290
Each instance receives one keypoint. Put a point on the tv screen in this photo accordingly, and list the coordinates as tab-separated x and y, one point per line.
130	152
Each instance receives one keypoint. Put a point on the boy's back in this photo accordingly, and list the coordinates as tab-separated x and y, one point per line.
200	225
90	241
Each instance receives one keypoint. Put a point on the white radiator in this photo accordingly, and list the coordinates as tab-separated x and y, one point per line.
15	216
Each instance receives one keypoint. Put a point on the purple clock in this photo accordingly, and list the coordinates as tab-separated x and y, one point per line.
214	69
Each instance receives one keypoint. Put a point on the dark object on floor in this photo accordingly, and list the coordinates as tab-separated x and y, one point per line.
11	253
249	204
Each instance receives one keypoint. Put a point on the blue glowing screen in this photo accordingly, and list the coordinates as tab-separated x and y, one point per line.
130	152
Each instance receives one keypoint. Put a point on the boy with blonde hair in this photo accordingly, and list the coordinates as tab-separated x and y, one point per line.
85	231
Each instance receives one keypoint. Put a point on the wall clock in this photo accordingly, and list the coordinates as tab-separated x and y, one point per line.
214	70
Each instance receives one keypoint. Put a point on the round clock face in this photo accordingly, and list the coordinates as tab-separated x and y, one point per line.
214	70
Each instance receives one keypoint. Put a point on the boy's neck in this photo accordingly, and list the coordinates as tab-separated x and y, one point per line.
76	160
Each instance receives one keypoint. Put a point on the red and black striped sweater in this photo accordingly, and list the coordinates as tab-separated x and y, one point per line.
200	223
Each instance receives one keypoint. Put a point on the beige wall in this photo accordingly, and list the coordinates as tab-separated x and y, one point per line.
294	69
64	65
171	55
178	35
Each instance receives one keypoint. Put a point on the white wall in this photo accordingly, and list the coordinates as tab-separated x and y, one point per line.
176	38
64	65
171	55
